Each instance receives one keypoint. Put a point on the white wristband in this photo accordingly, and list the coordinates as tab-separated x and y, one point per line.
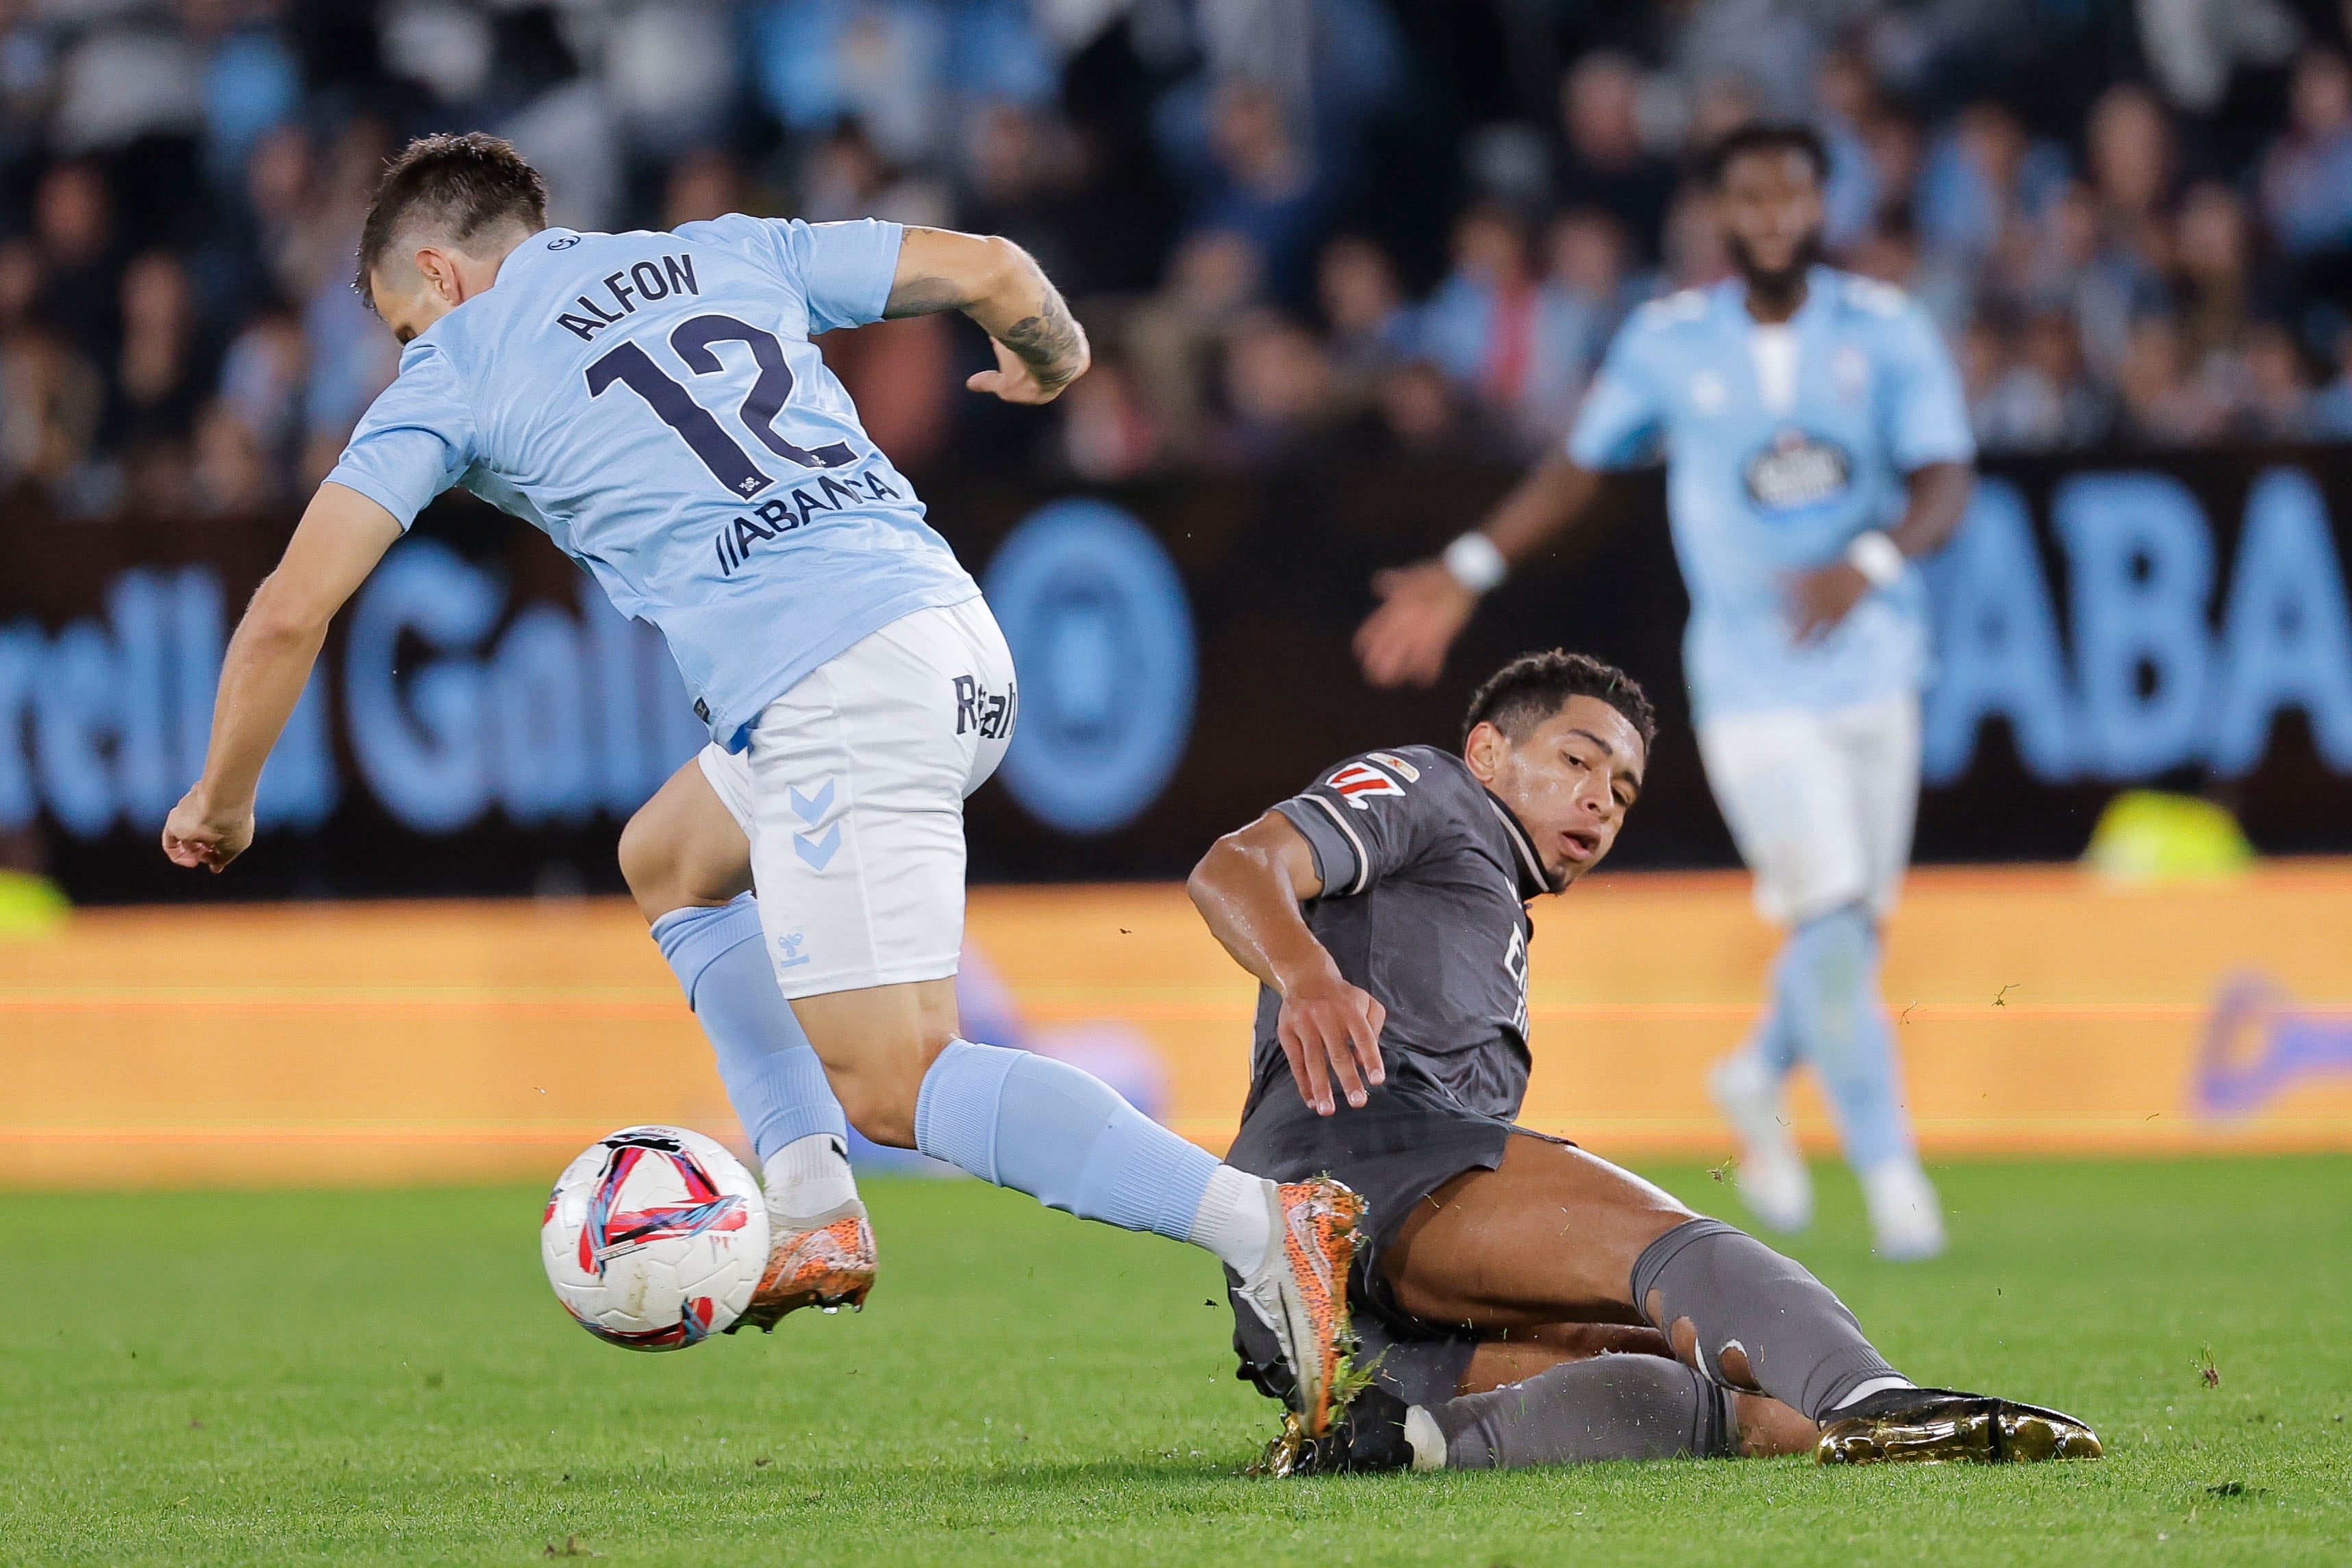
1878	557
1474	562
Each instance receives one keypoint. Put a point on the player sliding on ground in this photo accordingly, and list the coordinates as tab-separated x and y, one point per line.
1816	444
1383	909
652	400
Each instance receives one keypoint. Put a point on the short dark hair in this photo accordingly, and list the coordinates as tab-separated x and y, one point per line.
1768	136
461	185
1533	687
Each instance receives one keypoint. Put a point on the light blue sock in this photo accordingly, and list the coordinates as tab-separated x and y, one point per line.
1774	1042
1063	1137
1827	991
772	1076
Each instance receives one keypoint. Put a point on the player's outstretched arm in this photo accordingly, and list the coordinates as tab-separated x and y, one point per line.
1040	347
1425	606
341	537
1248	887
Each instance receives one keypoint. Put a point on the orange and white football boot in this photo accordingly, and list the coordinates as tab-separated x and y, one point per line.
825	1262
1301	1288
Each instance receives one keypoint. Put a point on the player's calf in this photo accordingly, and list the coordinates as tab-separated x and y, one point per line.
1746	1318
878	1045
1580	1412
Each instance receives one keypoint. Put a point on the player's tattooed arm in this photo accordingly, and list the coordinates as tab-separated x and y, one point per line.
1040	347
1050	342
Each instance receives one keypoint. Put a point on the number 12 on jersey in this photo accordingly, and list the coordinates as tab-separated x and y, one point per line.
673	405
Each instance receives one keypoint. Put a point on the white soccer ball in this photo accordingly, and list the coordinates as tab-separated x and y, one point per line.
654	1239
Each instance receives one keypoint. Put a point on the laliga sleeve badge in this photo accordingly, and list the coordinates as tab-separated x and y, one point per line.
1359	781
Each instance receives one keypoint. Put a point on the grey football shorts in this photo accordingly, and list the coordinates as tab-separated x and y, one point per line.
1409	1138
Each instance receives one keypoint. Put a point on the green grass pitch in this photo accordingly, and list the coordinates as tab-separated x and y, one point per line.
382	1376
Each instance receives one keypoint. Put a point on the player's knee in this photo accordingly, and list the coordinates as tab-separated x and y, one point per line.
649	865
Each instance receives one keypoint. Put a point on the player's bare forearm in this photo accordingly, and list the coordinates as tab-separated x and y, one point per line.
341	537
268	662
1249	887
1425	606
1553	497
1041	348
1938	499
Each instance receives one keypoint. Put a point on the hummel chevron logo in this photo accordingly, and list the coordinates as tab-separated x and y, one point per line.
810	808
818	853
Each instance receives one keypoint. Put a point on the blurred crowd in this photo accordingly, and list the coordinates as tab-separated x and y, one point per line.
1414	224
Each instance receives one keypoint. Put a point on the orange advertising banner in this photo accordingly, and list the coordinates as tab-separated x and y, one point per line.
2038	1010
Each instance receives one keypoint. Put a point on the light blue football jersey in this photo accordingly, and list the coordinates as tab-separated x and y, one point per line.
653	403
1758	491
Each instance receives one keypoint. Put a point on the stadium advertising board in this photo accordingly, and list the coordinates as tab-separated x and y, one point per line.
483	721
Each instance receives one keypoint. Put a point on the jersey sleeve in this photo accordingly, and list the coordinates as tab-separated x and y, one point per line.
1619	424
1369	817
842	270
414	440
1927	413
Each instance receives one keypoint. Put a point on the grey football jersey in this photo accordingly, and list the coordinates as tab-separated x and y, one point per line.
1425	881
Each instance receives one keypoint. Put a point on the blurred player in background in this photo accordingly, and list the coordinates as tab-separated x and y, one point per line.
1816	445
652	402
1507	1275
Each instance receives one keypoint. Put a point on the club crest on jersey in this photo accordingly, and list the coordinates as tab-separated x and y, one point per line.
1796	471
1359	781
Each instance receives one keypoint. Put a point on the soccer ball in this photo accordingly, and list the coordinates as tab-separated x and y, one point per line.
654	1239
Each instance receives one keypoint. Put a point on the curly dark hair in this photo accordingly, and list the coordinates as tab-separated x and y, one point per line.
459	184
1768	136
1531	688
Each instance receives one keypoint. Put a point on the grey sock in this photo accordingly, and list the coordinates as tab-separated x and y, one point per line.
1803	1347
1611	1407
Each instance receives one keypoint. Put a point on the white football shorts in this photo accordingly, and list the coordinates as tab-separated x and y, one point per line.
852	794
1821	804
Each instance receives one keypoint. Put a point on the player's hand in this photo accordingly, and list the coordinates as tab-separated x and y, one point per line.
198	834
1422	610
1820	599
1330	1028
1014	381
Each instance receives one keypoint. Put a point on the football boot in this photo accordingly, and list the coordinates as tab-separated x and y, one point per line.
1367	1438
1932	1424
825	1262
1301	1289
